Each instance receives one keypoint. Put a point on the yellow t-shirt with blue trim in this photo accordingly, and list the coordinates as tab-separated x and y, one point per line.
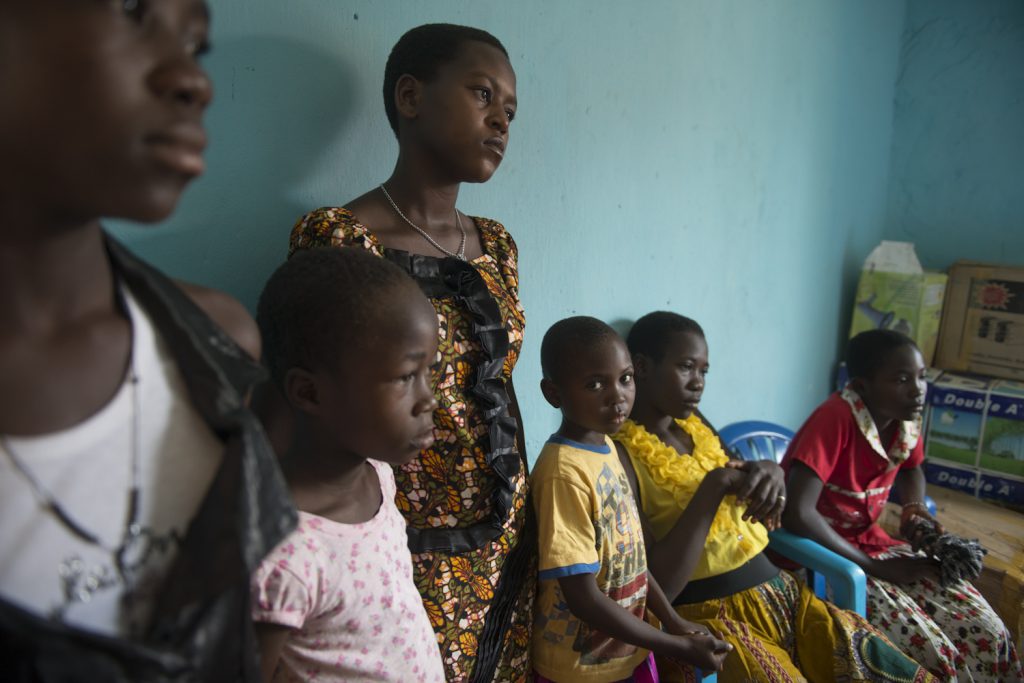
588	524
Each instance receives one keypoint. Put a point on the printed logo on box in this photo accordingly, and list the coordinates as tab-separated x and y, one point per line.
989	486
1000	406
997	295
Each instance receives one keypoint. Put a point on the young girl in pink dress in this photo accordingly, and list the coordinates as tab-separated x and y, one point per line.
350	341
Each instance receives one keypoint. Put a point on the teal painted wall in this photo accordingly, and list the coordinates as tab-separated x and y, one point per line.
722	158
957	175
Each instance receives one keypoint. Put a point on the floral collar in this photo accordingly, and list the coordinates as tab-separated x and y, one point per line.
906	438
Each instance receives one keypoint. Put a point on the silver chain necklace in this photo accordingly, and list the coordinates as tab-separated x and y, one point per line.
460	254
127	553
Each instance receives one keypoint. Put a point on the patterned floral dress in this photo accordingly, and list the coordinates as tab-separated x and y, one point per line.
464	498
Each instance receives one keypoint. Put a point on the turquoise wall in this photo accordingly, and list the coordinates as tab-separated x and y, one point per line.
722	158
957	175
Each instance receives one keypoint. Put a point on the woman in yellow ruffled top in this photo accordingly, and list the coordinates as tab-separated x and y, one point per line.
706	520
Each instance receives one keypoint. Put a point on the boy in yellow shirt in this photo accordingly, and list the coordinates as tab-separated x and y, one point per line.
594	590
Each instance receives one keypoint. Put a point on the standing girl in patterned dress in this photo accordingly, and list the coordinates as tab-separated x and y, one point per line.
841	465
450	96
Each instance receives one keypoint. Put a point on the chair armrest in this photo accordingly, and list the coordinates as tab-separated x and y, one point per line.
849	584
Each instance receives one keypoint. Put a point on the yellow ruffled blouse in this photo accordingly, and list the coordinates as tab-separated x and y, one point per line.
668	481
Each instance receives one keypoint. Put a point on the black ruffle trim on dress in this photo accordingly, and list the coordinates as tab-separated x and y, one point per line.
445	277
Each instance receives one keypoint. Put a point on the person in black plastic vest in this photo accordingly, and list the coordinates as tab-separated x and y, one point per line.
137	491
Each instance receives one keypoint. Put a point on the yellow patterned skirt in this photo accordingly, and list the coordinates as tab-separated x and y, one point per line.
782	632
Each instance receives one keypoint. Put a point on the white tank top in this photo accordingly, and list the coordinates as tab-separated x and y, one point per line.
87	468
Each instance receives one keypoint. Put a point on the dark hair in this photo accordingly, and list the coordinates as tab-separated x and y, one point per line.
315	305
570	336
422	51
649	334
867	351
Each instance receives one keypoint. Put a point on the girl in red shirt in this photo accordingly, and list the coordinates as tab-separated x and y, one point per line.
840	467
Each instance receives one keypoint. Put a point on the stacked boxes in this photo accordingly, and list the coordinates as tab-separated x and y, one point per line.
974	424
974	437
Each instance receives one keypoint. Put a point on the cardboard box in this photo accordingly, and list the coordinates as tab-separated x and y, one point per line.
974	437
983	322
895	293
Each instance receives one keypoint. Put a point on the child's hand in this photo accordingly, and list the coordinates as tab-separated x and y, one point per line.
905	569
706	651
763	489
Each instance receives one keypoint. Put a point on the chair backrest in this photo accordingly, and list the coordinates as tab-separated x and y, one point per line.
756	440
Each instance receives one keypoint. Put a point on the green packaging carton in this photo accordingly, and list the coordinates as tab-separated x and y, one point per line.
974	436
895	293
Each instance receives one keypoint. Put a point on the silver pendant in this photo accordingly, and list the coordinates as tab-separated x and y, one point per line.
80	582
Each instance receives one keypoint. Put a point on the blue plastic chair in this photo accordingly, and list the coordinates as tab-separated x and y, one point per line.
757	440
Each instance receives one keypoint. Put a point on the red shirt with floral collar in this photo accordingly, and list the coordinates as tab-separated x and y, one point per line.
840	442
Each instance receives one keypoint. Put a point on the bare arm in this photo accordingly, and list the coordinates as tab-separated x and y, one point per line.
801	516
673	559
229	313
910	485
670	620
602	613
911	492
657	603
270	639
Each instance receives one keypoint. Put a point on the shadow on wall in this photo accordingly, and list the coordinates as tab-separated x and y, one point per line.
623	325
278	106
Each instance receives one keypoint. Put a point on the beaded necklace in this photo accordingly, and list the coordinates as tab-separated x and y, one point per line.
679	474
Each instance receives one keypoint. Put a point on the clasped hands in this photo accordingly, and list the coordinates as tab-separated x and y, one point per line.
761	484
700	645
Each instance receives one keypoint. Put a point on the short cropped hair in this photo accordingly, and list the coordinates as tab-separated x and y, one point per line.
868	351
649	335
422	51
314	306
569	336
